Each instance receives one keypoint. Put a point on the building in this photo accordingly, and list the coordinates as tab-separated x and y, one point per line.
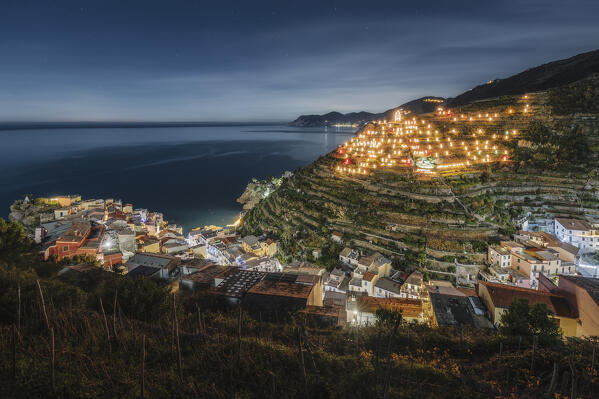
259	246
413	285
499	256
369	280
336	281
362	310
165	266
337	237
532	261
71	240
387	288
567	252
349	256
264	264
148	244
583	295
579	233
206	277
498	297
126	238
283	293
451	307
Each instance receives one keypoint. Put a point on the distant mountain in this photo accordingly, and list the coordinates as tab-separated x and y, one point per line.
332	118
546	76
419	106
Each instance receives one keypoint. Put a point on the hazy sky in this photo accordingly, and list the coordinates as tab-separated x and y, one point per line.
267	60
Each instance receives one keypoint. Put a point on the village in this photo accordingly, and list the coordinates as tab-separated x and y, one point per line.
115	237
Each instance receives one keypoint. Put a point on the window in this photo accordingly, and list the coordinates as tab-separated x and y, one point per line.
65	248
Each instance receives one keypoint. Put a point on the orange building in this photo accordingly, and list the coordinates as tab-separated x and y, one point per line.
69	243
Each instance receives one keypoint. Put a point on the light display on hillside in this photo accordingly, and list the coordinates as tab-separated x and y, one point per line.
441	141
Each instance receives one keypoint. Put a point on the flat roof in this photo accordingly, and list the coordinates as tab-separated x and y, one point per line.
387	284
282	288
408	307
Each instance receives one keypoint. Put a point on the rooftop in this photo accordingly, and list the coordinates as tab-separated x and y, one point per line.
591	285
208	273
574	224
143	271
368	276
388	285
503	295
284	285
500	250
452	310
407	307
236	285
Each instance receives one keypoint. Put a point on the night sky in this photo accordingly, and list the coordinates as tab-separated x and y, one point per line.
247	60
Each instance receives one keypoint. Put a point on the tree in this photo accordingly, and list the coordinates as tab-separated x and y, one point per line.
14	243
387	318
522	320
514	322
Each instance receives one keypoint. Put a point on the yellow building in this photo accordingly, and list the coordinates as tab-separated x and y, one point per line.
498	297
583	295
150	244
259	246
61	200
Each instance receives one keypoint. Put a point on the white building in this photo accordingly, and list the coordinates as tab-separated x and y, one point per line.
387	288
499	256
349	256
579	233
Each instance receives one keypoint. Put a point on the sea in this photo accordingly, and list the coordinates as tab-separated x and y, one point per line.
192	174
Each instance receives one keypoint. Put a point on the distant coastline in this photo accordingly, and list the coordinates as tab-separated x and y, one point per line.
132	125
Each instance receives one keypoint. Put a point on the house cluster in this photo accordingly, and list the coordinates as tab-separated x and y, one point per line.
120	236
226	247
521	261
108	230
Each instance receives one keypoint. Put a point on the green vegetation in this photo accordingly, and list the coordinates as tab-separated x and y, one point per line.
546	148
521	320
582	97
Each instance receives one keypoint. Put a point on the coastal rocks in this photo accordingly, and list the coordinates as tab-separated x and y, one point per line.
30	213
257	190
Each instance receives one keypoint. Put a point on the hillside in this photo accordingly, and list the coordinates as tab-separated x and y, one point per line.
110	336
546	76
503	157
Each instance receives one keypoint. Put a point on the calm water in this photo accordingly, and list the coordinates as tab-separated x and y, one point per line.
191	174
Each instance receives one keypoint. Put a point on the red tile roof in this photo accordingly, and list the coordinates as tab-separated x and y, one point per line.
368	276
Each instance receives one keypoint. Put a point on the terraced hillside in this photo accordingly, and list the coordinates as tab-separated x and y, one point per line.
445	183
